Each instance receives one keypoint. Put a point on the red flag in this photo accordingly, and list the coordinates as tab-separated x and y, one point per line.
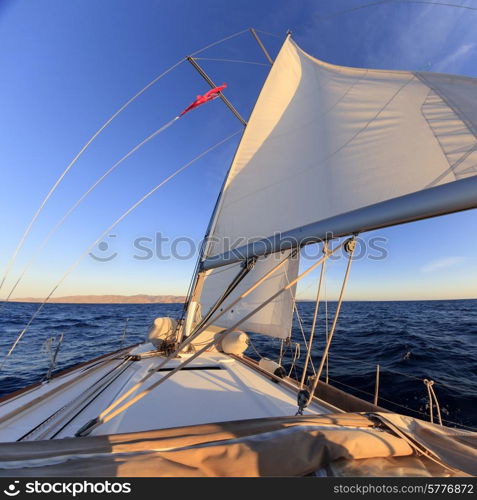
201	99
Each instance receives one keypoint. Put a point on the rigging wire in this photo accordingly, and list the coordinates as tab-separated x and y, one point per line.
280	356
231	61
343	358
302	330
267	33
252	345
372	365
21	242
296	357
299	320
213	44
375	4
315	316
350	246
114	224
432	396
326	329
79	201
401	405
388	2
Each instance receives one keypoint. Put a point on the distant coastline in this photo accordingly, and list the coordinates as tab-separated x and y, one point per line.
176	299
109	299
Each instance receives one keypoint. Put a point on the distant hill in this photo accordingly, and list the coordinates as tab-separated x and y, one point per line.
109	299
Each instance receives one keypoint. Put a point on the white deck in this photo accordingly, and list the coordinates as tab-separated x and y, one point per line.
228	390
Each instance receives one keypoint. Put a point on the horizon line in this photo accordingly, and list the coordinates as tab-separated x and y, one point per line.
32	300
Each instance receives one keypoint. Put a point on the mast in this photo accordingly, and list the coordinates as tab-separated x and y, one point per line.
206	77
190	307
264	50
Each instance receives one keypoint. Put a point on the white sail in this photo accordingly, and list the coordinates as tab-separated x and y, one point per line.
275	319
324	140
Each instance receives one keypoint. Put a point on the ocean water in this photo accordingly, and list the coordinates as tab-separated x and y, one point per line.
410	340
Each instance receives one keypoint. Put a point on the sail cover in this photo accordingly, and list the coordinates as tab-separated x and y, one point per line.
324	140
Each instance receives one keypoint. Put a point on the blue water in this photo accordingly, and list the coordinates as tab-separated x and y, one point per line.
410	340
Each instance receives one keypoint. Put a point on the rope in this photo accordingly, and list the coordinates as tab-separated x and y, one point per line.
388	400
431	415
299	320
72	163
244	270
282	354
436	403
300	323
125	329
76	405
88	143
326	331
350	246
53	354
252	345
315	315
296	356
114	224
44	396
432	396
288	345
280	358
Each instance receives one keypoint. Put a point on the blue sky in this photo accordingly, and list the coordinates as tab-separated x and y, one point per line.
68	66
